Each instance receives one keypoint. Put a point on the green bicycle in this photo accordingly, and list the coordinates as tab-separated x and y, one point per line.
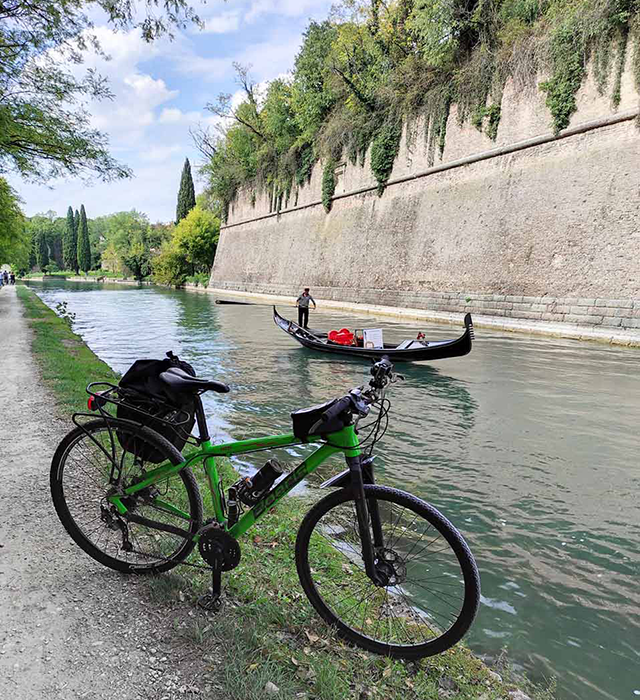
386	569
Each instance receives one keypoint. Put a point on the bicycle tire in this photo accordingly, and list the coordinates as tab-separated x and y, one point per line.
70	457
322	575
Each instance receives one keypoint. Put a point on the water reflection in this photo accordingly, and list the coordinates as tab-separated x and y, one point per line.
528	445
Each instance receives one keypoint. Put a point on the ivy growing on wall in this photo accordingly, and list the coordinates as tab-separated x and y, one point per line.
328	183
378	68
384	149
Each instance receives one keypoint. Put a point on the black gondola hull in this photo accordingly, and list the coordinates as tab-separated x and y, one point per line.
436	350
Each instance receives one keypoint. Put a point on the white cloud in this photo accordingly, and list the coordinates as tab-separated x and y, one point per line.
286	8
160	154
160	90
225	23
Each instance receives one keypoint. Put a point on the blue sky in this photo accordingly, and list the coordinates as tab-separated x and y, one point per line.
161	90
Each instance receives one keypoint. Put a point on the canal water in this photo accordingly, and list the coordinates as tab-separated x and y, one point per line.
529	446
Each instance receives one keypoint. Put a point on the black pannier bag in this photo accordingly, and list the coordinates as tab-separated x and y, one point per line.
149	401
305	418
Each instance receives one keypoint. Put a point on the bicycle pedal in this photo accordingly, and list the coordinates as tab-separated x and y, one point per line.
210	602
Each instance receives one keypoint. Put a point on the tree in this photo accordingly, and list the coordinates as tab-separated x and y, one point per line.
84	248
196	238
15	240
137	258
186	193
125	243
170	267
76	232
45	132
42	251
70	244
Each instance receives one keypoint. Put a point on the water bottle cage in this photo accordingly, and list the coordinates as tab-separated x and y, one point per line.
251	490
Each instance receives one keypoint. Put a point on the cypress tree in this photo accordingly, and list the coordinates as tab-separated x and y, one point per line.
76	228
42	251
186	193
84	247
33	251
69	244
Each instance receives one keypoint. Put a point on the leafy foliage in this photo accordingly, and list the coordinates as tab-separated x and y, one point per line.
45	132
376	66
191	250
42	251
196	237
15	240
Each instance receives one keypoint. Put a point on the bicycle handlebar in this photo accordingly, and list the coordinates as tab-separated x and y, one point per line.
338	407
357	400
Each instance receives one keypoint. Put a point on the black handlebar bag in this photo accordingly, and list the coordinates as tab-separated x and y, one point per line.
150	402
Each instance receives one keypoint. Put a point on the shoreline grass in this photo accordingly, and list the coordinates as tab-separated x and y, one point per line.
267	632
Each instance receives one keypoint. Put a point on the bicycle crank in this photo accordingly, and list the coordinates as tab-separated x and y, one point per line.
222	552
215	544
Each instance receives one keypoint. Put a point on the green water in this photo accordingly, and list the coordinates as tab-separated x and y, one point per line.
529	446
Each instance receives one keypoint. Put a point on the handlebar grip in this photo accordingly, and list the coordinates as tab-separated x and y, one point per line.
338	407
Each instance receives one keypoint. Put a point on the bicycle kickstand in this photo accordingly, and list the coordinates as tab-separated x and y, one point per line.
212	601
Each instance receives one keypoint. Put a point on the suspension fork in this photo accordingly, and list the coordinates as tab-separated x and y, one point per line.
368	514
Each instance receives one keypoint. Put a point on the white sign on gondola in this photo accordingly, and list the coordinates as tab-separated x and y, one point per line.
372	338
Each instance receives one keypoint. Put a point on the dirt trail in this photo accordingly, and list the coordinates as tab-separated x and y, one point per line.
70	628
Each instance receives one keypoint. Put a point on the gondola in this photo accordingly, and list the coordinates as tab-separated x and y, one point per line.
408	351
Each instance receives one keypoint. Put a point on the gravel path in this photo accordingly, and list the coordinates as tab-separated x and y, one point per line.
69	627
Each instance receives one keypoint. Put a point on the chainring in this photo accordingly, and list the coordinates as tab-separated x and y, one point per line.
215	543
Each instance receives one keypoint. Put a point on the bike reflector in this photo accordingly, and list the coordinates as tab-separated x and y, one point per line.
95	402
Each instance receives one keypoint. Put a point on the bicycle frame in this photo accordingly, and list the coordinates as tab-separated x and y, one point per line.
344	440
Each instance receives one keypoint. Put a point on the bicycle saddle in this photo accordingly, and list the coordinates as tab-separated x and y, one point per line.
184	383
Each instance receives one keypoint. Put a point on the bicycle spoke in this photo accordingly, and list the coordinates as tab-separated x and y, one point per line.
85	479
420	590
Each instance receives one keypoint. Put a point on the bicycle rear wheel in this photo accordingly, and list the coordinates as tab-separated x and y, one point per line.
82	474
430	587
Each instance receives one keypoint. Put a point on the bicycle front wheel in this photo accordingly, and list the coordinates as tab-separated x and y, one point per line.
429	587
90	463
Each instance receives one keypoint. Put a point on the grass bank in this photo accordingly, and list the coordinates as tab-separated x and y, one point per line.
66	363
266	633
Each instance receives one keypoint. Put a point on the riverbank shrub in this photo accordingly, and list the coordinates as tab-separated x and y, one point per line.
375	68
190	251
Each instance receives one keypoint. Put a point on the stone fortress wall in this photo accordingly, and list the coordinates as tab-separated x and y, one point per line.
530	227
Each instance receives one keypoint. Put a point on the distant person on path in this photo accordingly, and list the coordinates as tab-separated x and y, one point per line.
302	303
12	278
6	277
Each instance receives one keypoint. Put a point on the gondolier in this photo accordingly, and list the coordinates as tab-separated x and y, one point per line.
302	302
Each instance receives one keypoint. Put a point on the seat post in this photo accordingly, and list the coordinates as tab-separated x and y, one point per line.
203	430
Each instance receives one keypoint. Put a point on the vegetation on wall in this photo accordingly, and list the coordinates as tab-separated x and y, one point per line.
376	67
